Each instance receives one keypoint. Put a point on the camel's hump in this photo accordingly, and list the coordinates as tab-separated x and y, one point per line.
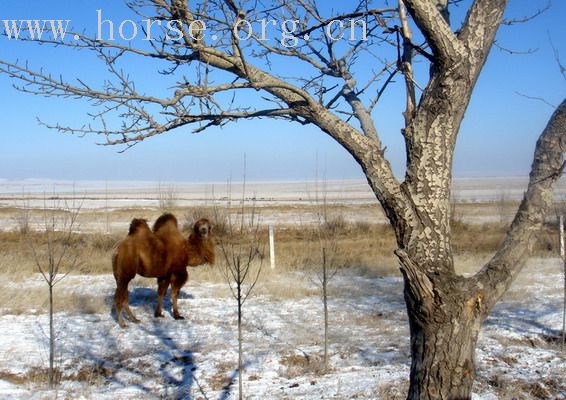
164	219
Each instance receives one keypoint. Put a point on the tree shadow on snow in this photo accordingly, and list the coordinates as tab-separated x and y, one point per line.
173	357
110	370
226	390
125	368
521	318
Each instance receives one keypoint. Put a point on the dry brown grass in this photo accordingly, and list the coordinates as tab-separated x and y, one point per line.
298	248
222	378
360	245
295	365
393	390
16	256
366	246
507	387
96	373
35	375
37	299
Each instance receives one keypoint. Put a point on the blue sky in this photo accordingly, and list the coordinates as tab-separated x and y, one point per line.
497	136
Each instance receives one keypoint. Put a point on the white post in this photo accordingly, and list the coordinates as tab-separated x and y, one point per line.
561	230
562	255
106	208
271	247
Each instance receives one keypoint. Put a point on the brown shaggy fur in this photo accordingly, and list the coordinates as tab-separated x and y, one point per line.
137	224
200	246
161	253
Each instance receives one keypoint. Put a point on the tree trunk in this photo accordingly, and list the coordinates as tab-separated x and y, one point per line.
442	353
445	315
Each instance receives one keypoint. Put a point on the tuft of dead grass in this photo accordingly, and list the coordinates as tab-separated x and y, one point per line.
91	374
393	390
295	365
509	388
223	377
35	375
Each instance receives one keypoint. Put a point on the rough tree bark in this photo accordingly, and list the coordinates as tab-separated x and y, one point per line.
445	310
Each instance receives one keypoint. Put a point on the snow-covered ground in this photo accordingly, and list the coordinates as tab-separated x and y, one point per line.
117	194
109	206
196	358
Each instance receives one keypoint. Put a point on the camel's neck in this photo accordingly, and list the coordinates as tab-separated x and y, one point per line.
195	240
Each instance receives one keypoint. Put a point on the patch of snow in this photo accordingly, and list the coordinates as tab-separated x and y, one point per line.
283	339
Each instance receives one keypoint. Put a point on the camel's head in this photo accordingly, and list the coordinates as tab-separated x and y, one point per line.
138	225
202	228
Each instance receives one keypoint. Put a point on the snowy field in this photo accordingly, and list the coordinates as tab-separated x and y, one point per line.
518	355
116	194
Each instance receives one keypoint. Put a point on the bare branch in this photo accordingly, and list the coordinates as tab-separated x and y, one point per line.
360	111
548	166
143	116
406	65
445	46
514	21
537	98
557	59
510	51
326	22
382	90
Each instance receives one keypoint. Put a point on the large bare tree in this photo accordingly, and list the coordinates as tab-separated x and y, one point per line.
218	75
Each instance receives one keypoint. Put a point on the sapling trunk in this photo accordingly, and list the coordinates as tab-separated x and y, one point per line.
51	374
325	301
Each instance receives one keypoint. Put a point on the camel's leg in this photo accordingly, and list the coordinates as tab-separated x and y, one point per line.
131	315
162	285
121	297
177	281
121	293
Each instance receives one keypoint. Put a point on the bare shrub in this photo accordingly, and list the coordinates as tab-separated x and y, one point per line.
23	222
362	227
100	241
23	216
330	227
55	257
504	207
243	253
559	208
166	198
333	224
455	208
